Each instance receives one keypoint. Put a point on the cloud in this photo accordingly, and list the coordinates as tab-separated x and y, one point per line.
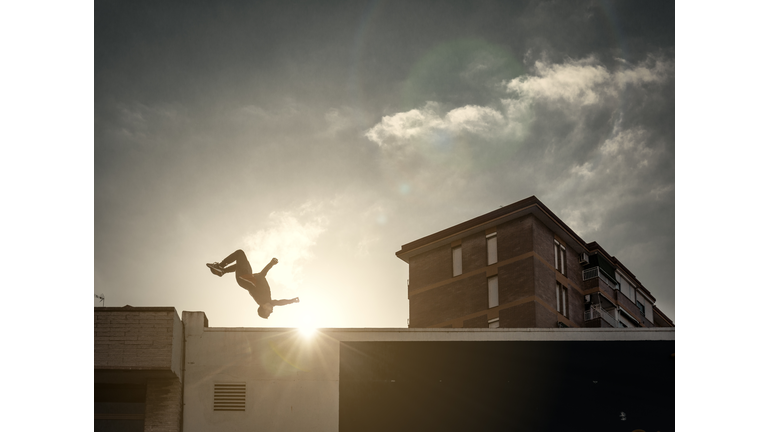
621	172
286	109
336	121
596	144
561	114
585	81
577	82
563	87
290	237
427	125
137	122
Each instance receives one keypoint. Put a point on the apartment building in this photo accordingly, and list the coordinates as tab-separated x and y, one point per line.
521	267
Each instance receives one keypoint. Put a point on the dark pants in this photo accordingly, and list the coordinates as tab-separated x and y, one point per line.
240	267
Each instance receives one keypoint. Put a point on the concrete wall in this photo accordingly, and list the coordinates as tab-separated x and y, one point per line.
293	381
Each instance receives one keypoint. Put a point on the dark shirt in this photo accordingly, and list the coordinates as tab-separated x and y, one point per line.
260	291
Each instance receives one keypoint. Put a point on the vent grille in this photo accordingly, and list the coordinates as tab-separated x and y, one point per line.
229	396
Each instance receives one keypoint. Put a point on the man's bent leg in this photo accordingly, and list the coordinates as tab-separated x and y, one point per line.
241	266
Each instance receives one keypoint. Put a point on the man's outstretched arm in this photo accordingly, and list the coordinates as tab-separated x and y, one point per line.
268	266
284	302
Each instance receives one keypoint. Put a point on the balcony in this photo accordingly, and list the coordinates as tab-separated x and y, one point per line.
595	312
594	272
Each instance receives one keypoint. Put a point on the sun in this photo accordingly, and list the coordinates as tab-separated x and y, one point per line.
307	330
308	325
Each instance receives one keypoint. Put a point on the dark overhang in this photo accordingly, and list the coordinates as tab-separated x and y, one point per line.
131	375
663	316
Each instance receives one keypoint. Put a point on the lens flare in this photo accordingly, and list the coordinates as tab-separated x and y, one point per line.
307	330
308	326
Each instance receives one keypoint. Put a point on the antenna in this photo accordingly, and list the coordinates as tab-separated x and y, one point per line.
100	297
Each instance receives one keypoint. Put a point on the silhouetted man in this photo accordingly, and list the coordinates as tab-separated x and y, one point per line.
255	283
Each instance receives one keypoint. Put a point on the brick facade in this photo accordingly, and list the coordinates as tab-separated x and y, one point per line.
516	281
526	233
477	322
133	339
164	403
460	297
145	347
516	236
520	316
430	268
473	253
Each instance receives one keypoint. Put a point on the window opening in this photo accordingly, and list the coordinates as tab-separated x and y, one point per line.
493	291
456	260
490	242
493	323
561	294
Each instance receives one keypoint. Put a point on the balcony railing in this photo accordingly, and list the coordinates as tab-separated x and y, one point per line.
598	312
594	272
590	273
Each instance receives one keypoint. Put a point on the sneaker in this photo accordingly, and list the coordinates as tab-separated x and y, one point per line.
216	269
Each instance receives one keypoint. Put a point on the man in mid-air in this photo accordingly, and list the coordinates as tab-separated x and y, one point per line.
255	283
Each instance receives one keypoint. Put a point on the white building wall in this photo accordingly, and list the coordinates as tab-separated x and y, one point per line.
292	380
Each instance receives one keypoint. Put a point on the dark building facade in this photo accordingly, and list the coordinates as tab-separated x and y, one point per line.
521	267
138	364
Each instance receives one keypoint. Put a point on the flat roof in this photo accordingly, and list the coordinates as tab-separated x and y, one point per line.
462	334
129	308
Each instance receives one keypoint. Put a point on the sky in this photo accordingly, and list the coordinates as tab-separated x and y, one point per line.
328	134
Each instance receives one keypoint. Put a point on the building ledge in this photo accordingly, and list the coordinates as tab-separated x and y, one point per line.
466	334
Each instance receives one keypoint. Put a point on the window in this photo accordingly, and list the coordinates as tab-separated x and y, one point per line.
457	260
490	243
623	322
626	288
493	291
561	294
493	323
559	257
647	307
640	306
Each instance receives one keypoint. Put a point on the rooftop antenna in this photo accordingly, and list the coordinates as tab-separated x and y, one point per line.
100	297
